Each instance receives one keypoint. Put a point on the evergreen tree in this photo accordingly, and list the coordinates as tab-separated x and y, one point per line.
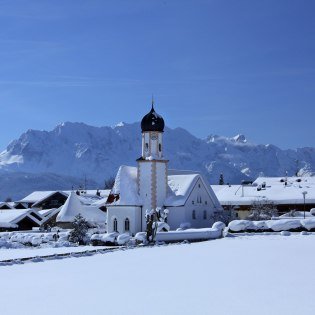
221	181
80	228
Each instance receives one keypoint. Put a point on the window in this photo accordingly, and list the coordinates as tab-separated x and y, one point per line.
160	147
194	214
205	214
193	202
115	225
206	202
146	146
127	225
199	185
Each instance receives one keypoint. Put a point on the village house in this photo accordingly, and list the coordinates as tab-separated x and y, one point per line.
284	193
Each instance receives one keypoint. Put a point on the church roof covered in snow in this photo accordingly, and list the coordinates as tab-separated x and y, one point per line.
126	186
73	207
180	185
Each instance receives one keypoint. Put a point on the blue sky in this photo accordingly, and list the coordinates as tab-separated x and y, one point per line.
215	66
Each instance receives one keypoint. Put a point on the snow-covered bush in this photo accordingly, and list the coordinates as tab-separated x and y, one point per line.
283	224
240	225
219	225
80	229
308	224
104	239
123	239
141	237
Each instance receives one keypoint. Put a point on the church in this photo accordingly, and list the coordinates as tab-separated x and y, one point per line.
187	196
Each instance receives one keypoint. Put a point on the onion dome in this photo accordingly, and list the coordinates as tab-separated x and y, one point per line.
152	121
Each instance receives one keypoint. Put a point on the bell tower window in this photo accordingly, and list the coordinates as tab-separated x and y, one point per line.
160	147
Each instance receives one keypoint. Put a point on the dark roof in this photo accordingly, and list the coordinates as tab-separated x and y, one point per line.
152	121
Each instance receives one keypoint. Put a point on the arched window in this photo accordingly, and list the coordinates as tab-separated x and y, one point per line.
127	225
146	146
194	214
205	214
160	147
115	225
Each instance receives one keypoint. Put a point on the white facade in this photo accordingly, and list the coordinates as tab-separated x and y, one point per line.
128	219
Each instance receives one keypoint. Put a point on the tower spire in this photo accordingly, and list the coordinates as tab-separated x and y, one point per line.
152	102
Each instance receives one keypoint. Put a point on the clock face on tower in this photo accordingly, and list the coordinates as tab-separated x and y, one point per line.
153	136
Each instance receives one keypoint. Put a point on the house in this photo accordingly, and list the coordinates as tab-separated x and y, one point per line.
55	199
19	219
284	193
44	199
74	206
151	184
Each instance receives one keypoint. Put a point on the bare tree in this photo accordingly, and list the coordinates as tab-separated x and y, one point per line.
262	210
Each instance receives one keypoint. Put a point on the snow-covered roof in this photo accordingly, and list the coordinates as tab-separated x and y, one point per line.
8	204
88	196
48	213
37	196
14	216
180	185
73	207
275	191
101	202
126	186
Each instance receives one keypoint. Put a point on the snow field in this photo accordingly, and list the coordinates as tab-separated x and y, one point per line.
260	274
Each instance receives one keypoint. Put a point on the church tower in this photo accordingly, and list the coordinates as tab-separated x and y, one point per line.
152	167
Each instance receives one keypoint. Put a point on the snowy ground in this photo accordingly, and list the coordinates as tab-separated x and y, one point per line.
257	274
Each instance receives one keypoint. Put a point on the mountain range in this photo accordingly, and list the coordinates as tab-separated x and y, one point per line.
73	154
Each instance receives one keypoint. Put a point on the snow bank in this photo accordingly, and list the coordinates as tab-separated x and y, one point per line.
123	239
107	238
308	224
274	225
283	224
240	225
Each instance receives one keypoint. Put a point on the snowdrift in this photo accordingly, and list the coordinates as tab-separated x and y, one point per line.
272	225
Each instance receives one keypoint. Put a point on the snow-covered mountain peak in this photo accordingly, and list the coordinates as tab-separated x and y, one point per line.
239	138
79	150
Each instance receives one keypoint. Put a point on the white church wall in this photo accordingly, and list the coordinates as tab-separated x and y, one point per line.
176	217
199	207
121	213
